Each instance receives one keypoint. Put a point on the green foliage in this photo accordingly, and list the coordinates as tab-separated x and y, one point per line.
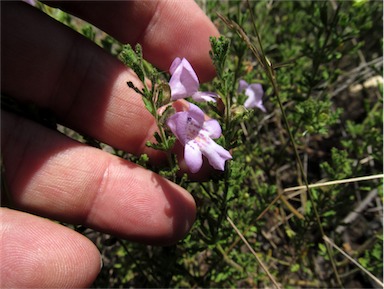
134	59
89	32
316	115
372	260
340	166
220	49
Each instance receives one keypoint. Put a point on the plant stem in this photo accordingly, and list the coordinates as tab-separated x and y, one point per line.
271	75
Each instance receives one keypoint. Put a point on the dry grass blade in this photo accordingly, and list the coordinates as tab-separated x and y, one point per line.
253	253
330	242
236	27
285	201
337	182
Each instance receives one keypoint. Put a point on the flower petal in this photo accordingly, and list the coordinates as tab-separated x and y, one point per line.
193	157
242	85
172	122
185	125
177	123
184	81
216	155
196	113
213	128
201	96
174	65
255	93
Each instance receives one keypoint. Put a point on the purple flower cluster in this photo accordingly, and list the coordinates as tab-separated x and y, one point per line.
191	127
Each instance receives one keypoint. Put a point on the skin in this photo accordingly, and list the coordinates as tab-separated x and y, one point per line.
50	175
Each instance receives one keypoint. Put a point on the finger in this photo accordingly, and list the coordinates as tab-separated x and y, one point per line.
37	253
54	67
166	29
51	175
48	64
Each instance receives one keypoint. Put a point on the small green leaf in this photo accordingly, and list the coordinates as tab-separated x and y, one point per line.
295	267
149	106
323	248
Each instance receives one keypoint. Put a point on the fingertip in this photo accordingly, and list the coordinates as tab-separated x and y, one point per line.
45	254
180	211
142	206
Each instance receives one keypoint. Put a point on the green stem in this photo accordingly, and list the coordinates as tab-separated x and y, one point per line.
163	137
271	75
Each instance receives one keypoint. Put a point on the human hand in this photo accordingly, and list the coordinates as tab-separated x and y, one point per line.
52	176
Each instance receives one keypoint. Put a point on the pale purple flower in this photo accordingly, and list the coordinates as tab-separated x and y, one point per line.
254	92
30	2
184	82
196	134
